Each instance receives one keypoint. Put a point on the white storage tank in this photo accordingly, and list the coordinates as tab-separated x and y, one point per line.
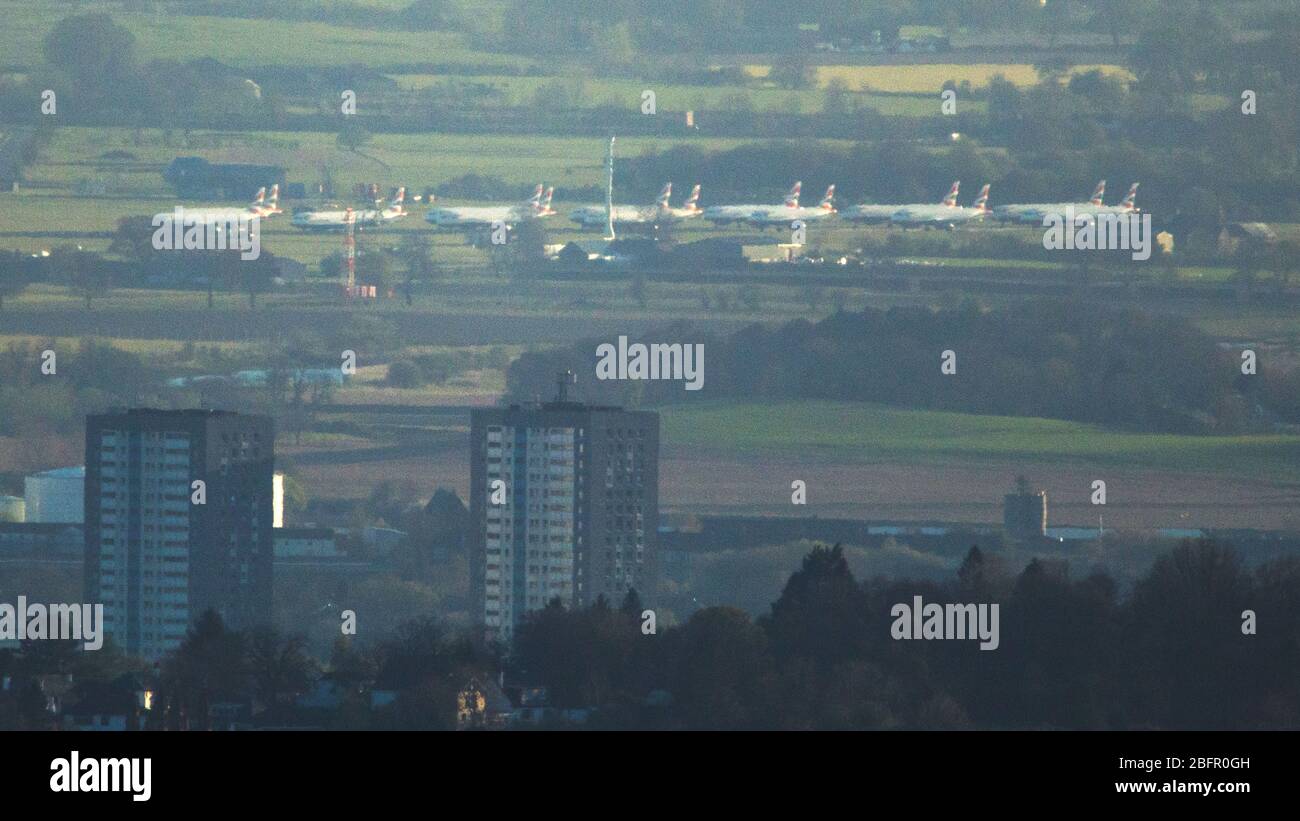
56	495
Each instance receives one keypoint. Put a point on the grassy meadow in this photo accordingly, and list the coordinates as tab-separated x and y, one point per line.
872	433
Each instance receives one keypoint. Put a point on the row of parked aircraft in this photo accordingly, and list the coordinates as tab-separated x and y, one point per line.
946	213
265	207
464	217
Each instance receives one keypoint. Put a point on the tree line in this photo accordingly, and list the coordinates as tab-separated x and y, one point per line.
1178	652
1061	359
1200	642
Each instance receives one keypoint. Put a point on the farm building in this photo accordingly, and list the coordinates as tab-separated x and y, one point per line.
196	178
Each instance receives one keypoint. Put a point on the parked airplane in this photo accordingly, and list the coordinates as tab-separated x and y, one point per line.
595	216
947	216
877	213
338	220
1035	211
256	208
479	217
786	214
662	212
727	214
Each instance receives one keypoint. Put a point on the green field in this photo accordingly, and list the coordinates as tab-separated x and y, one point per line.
244	43
672	97
144	347
76	155
251	43
494	299
872	433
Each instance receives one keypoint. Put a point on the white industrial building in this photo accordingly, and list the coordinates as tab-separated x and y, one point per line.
56	496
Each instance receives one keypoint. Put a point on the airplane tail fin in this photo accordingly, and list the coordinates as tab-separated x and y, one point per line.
536	199
1131	198
982	201
792	197
951	199
828	201
664	195
261	196
693	201
545	208
395	206
1098	194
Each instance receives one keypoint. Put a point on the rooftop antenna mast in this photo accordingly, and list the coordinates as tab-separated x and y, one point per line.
562	384
609	192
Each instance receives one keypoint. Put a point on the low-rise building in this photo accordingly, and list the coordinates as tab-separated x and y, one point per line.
56	495
306	543
44	540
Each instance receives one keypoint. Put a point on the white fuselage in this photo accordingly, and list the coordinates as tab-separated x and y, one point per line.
337	220
1090	210
726	214
480	216
922	215
1035	211
786	214
593	216
870	213
685	213
1083	212
207	215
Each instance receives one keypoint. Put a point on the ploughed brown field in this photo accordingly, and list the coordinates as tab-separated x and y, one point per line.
692	481
735	478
